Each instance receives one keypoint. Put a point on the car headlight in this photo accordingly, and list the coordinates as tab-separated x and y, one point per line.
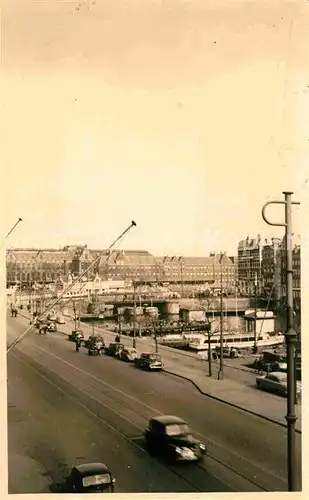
202	446
178	450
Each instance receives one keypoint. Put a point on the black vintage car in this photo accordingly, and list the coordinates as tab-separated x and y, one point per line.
93	339
149	361
52	327
76	334
114	349
171	438
90	478
95	345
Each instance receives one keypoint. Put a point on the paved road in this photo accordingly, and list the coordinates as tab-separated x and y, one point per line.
66	407
189	360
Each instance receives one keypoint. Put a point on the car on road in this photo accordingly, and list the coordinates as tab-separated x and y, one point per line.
52	327
128	354
76	334
94	339
95	345
149	361
60	320
90	478
170	437
114	349
228	352
272	361
276	382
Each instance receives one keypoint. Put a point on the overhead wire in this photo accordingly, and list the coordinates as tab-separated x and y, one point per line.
81	275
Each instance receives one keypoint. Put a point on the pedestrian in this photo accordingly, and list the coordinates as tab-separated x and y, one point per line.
77	344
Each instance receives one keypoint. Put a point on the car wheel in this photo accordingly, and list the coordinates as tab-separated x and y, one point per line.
150	448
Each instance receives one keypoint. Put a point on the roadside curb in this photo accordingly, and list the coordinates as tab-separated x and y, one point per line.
163	348
211	396
233	405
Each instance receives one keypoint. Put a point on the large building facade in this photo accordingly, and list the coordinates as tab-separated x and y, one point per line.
272	270
28	266
262	264
249	260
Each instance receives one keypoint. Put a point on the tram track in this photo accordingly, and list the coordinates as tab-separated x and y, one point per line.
137	413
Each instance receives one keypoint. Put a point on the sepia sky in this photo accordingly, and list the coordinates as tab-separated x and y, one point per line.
185	116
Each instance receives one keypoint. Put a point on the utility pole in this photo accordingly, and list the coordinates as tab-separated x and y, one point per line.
79	308
74	309
119	322
220	374
155	335
290	336
209	350
255	313
134	315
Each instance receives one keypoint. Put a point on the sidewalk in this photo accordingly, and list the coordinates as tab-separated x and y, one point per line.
190	367
259	403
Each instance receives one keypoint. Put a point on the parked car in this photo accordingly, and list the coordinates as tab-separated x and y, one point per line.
128	354
272	361
149	361
228	352
95	345
90	478
114	349
276	382
94	339
76	333
170	437
60	321
52	327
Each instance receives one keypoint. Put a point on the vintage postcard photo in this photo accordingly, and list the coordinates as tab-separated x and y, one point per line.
154	159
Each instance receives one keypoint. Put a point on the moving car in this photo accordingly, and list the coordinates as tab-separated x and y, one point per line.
128	354
276	382
149	361
170	437
114	349
76	334
90	478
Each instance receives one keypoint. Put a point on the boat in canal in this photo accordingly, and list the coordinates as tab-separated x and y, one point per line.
238	341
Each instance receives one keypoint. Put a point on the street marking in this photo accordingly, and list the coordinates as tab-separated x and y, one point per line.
155	411
100	418
98	380
78	402
86	393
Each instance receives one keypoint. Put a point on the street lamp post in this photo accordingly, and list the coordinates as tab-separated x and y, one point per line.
290	336
220	374
155	335
255	313
134	316
119	322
